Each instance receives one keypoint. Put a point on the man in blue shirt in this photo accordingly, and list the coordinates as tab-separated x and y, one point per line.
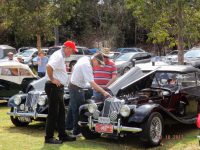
42	61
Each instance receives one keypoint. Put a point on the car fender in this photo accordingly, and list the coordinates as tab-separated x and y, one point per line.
142	112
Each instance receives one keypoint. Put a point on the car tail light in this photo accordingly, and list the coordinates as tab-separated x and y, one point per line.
198	121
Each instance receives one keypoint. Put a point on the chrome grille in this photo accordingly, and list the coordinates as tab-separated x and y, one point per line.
31	100
110	105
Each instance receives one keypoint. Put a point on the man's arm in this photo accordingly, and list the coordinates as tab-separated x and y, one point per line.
99	89
50	75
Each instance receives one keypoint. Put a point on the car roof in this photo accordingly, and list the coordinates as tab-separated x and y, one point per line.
12	64
6	47
15	64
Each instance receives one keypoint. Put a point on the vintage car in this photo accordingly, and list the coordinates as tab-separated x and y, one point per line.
32	105
143	102
14	77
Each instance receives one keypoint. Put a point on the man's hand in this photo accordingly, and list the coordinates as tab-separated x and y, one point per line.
106	94
56	82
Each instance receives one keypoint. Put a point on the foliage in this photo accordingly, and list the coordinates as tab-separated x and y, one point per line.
163	20
27	18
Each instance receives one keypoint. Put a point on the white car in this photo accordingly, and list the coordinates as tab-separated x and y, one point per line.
14	77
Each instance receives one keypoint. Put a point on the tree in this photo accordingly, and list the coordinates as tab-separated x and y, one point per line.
175	22
30	19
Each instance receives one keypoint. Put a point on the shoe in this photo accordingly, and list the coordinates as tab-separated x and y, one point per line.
67	138
53	141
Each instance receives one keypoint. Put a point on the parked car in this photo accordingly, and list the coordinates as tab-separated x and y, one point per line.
28	55
114	55
192	57
5	49
130	49
25	107
45	49
52	50
144	102
94	50
82	51
22	49
126	61
14	77
173	55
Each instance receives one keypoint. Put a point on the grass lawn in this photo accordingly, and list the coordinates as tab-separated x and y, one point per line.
32	138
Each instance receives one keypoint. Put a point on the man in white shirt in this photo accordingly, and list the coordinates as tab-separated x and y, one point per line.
82	75
57	77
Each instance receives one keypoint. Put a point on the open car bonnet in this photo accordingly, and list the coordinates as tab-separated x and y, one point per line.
133	80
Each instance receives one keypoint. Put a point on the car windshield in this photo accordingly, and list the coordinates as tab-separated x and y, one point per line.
171	79
192	54
165	79
125	57
27	53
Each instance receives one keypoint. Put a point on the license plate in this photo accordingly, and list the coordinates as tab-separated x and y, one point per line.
103	120
104	128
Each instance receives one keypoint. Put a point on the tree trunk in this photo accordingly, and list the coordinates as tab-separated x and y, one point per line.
56	32
38	41
180	33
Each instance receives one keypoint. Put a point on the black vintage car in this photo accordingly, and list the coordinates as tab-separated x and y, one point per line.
144	102
31	105
14	77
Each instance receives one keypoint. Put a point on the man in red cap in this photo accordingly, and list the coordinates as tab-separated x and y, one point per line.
57	77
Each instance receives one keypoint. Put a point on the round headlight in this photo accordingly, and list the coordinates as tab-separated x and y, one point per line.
22	107
92	108
41	100
125	111
17	100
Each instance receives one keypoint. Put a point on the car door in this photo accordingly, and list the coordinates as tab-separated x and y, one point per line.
9	81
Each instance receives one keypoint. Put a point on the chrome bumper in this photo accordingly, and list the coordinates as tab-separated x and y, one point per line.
117	127
27	114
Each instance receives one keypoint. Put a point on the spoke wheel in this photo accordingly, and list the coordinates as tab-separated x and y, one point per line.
153	129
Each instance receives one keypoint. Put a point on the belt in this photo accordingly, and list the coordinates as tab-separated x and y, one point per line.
73	86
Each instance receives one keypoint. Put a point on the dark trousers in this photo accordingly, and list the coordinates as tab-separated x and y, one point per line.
56	110
41	74
77	98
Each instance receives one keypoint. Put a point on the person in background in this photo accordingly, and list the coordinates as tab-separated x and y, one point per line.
104	75
82	75
10	56
41	61
57	77
20	59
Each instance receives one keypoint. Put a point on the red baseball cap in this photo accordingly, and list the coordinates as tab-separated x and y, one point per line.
71	45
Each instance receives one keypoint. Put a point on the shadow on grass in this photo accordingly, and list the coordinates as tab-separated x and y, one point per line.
33	129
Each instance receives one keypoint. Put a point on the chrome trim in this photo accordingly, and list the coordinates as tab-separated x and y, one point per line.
118	128
27	114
